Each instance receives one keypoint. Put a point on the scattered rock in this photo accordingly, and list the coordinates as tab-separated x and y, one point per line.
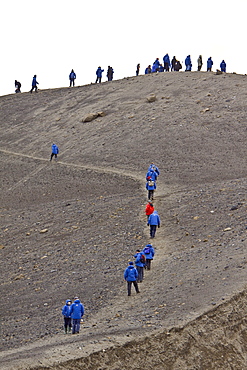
91	116
43	231
205	110
218	72
151	98
227	229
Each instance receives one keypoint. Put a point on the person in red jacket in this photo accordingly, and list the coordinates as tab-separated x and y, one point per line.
149	208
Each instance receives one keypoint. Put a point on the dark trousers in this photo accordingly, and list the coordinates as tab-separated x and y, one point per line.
148	264
98	79
67	323
153	230
166	65
151	194
129	283
72	82
34	87
140	273
76	326
52	154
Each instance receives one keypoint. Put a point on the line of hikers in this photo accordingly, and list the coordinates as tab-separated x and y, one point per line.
134	275
175	65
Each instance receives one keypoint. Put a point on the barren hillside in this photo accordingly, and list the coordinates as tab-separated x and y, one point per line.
70	227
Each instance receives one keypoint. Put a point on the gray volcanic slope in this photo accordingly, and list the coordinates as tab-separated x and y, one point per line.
70	227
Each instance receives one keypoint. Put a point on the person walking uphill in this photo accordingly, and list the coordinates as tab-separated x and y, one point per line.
72	77
34	84
149	255
150	186
67	315
99	74
54	151
77	311
149	209
131	275
140	263
153	222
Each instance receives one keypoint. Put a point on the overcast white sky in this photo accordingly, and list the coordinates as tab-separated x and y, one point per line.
50	37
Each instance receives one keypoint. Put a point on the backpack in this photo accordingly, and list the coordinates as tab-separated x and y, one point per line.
143	259
146	250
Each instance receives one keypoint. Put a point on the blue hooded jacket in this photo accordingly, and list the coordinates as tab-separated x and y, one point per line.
223	66
130	274
72	76
150	255
166	59
150	187
66	309
77	310
154	219
209	63
54	149
34	82
99	72
151	173
188	63
154	167
138	259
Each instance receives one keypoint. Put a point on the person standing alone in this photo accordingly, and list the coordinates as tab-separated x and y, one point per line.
54	151
72	77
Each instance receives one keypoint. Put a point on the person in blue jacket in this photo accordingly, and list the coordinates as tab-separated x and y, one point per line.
149	255
72	77
148	69
54	151
67	315
167	63
150	186
161	68
99	74
188	64
223	66
34	84
153	222
156	65
152	165
131	275
209	64
151	174
140	264
77	311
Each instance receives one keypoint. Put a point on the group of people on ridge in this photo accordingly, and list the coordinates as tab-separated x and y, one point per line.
134	275
175	65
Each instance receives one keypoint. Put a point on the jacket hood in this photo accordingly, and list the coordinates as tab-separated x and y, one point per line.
149	245
131	267
68	300
155	212
77	301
